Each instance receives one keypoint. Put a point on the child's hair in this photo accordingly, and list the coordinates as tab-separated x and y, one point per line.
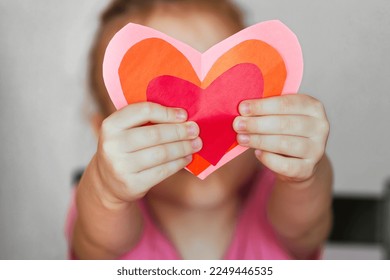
140	10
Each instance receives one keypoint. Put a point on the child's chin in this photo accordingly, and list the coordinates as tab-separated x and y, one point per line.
193	193
204	198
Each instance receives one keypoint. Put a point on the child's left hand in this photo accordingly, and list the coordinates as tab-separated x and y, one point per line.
289	133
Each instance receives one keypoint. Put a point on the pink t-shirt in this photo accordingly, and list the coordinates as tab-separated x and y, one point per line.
254	238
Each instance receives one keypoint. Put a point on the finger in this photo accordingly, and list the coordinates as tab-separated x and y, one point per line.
290	146
294	125
158	155
142	113
144	137
295	168
290	104
156	175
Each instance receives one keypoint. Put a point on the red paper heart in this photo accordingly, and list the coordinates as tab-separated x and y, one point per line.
213	108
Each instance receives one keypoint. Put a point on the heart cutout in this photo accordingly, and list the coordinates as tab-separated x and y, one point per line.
141	62
213	108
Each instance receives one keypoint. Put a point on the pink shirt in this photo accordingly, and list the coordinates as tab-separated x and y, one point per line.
254	238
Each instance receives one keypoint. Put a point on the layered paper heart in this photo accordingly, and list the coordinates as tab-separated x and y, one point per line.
264	60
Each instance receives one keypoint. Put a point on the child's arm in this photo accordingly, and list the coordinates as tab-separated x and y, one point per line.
301	213
291	131
130	160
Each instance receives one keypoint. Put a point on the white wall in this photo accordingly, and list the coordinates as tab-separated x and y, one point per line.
44	134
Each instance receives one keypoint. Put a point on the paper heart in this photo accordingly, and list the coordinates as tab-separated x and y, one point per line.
137	55
213	108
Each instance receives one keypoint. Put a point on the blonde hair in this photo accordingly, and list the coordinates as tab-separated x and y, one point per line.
141	9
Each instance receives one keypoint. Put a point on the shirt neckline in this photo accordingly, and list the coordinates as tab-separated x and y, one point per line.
241	213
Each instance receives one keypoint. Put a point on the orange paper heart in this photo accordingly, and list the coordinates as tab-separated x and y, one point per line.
143	62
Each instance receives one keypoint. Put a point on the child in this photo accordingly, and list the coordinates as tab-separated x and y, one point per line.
135	201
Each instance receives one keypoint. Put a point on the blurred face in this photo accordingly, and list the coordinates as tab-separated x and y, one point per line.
201	30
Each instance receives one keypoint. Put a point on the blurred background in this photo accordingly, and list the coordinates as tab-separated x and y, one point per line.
45	134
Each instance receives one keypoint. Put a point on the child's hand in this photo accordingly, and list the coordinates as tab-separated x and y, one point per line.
291	131
132	158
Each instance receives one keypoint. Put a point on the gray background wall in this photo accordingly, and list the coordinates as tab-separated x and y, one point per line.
44	132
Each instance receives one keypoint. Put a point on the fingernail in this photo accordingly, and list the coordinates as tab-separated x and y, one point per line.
241	125
245	108
188	158
181	115
243	139
192	129
197	144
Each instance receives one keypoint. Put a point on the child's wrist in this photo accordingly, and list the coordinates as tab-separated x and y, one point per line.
300	184
103	193
309	181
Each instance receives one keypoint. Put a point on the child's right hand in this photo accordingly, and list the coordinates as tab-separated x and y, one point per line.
132	158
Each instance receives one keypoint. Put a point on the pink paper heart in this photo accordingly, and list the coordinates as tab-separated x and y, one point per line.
273	33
